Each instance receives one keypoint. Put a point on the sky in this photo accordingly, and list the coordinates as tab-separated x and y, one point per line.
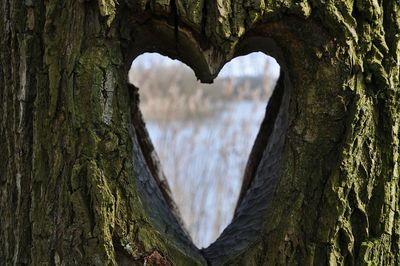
253	64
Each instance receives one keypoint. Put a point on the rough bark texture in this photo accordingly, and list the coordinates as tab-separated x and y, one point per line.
78	181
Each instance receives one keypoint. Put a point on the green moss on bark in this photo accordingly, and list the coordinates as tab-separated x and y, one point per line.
68	193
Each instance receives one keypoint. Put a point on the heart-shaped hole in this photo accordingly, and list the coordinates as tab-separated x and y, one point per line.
203	133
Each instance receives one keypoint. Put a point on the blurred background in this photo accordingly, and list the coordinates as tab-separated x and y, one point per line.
203	133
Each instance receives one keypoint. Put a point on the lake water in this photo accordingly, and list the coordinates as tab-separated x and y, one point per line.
204	161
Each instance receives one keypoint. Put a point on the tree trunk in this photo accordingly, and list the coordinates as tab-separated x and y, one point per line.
81	183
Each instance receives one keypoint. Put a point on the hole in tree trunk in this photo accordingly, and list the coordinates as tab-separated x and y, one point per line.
203	135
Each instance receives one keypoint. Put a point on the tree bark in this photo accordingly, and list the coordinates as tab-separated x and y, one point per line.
81	183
